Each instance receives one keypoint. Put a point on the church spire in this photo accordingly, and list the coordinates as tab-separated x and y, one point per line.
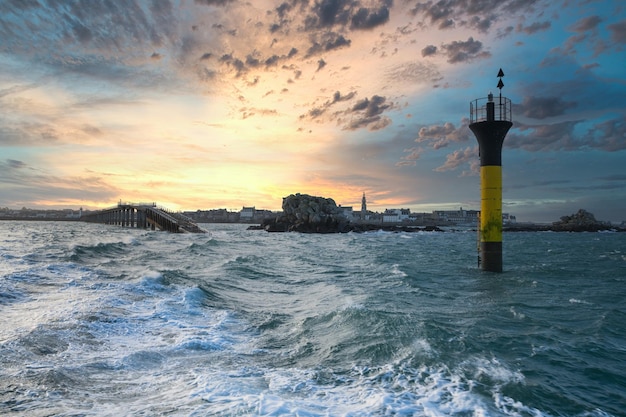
363	206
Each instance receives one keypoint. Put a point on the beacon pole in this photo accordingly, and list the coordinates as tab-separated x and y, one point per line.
490	128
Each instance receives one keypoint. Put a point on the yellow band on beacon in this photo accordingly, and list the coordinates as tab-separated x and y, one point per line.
491	203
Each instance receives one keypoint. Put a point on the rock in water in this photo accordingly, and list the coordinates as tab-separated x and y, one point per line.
582	221
308	214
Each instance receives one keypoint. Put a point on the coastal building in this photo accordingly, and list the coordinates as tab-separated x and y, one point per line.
396	215
348	212
247	214
458	217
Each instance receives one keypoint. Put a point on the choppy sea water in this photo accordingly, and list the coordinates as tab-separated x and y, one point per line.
104	321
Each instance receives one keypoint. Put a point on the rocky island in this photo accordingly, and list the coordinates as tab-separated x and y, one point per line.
581	221
309	214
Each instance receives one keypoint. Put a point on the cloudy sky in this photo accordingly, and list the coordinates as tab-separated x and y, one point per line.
200	104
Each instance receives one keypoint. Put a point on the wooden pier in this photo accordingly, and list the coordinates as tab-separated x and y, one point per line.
143	216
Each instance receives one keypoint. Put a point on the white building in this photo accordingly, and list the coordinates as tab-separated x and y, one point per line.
247	213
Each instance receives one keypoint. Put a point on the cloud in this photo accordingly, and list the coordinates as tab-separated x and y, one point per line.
608	136
21	182
618	32
429	50
337	97
440	136
330	41
214	2
605	136
543	107
366	18
534	27
365	113
586	24
477	15
17	89
368	113
317	112
413	73
413	155
14	164
460	157
465	51
328	13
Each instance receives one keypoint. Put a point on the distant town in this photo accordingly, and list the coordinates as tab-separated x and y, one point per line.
252	215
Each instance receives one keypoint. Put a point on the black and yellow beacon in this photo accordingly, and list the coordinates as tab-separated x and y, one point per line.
490	120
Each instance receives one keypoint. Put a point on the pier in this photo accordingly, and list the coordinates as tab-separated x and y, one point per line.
143	216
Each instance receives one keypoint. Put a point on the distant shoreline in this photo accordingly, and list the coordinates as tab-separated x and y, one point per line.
525	227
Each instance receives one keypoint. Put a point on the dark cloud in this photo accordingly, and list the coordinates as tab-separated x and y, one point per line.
482	24
329	42
365	18
429	50
326	13
534	27
320	64
618	32
214	2
337	14
272	61
14	164
475	14
365	113
101	29
605	136
547	137
251	61
337	98
236	63
608	136
464	51
543	107
81	33
368	113
586	24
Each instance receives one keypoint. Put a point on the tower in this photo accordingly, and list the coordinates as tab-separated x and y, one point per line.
490	122
363	207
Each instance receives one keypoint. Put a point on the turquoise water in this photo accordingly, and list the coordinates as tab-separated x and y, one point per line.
105	321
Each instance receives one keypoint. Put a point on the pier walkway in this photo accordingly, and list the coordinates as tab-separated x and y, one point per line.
145	216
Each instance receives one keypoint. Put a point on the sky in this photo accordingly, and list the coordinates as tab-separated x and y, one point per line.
202	104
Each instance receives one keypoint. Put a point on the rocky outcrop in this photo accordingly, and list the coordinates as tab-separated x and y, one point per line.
581	221
308	214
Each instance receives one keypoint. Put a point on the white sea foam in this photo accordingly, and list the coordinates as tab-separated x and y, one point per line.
577	301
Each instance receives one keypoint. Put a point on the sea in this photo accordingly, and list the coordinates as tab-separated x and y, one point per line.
100	320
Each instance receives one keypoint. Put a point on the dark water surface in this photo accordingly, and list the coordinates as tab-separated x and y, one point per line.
104	321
